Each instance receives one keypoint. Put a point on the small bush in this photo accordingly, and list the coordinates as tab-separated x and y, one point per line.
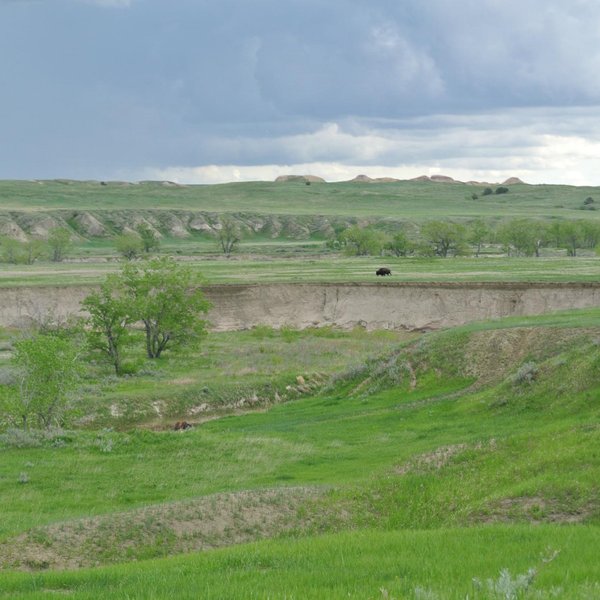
588	200
526	374
33	438
488	191
501	190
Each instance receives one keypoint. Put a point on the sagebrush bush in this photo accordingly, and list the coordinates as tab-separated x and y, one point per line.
32	438
526	374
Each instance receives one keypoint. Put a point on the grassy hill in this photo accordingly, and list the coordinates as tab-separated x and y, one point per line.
407	198
415	472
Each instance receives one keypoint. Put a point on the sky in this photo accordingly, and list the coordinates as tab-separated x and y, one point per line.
209	91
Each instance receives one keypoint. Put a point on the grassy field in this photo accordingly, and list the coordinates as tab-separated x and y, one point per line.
333	269
407	198
408	472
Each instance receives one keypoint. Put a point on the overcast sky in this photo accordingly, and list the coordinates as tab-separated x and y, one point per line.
204	91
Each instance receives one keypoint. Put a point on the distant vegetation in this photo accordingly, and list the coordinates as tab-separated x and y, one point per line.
58	220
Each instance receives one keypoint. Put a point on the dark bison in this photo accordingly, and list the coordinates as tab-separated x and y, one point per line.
181	426
383	271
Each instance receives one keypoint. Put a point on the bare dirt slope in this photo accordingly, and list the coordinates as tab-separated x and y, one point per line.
374	306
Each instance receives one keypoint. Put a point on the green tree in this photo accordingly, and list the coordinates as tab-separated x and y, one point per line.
359	241
478	233
571	237
129	245
47	372
109	319
523	237
555	233
11	250
590	233
59	242
32	250
148	238
399	244
164	296
229	236
445	238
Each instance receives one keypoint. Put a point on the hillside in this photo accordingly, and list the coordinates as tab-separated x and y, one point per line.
424	466
406	199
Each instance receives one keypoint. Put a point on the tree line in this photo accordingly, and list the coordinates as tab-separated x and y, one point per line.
515	237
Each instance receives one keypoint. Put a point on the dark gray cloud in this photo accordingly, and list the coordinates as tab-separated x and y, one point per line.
91	87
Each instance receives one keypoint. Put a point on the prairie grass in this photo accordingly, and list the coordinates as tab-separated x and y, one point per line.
329	268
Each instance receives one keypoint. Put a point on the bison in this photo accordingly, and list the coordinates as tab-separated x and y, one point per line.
182	426
383	271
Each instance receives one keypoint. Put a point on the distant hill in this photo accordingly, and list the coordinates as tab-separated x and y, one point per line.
299	178
367	179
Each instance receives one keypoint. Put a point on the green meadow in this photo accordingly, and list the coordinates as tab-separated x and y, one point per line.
416	199
336	269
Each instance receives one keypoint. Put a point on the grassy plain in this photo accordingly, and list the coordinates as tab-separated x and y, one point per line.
329	269
408	199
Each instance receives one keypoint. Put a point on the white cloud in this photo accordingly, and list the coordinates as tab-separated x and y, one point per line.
539	146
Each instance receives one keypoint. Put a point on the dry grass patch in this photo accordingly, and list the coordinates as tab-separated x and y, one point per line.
190	526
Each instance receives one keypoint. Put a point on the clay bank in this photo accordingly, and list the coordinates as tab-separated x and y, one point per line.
374	306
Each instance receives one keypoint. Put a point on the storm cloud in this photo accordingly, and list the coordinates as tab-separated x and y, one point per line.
132	88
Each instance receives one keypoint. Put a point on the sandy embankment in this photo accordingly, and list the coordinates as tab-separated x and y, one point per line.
380	305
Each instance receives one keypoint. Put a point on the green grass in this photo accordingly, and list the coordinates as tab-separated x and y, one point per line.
365	564
331	269
403	199
429	463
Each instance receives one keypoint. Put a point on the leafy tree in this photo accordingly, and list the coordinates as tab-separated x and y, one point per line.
555	233
571	237
523	237
164	296
501	190
129	245
32	250
400	245
590	233
488	191
109	319
47	370
148	237
478	233
444	237
59	241
10	250
360	241
229	235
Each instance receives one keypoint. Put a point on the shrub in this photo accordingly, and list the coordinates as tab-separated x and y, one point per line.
501	190
526	374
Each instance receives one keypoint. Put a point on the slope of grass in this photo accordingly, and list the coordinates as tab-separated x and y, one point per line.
408	198
435	565
434	459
